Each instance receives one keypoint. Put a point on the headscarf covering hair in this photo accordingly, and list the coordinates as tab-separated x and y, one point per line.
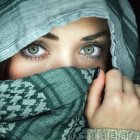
24	21
30	108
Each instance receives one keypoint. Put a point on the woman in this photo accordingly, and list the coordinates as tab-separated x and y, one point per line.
39	36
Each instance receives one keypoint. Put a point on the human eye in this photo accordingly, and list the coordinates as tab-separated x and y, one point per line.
35	51
92	50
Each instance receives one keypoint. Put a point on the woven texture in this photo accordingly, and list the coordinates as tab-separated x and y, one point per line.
26	113
45	106
112	134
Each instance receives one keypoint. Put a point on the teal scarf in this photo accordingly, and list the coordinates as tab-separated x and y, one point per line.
24	21
45	106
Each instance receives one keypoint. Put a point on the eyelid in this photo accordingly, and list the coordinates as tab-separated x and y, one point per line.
37	42
95	43
40	43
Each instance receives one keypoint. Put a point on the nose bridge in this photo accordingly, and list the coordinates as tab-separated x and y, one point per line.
66	59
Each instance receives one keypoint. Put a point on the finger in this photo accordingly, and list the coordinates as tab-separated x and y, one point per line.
137	87
113	81
128	86
95	95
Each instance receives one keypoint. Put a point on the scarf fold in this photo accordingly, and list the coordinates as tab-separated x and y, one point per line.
45	106
24	21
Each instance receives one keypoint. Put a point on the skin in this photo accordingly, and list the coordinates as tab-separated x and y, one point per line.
66	51
113	99
120	107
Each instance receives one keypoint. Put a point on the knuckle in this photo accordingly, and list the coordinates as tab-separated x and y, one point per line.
113	72
115	100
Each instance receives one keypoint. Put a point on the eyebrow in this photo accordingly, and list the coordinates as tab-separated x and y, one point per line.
51	36
86	38
95	36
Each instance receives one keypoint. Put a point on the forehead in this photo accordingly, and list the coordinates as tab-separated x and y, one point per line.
91	23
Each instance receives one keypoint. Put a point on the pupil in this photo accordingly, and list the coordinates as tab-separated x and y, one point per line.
89	50
33	50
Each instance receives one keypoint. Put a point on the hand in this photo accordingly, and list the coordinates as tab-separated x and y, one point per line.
120	106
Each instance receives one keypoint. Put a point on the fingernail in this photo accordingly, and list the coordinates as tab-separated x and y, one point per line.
96	74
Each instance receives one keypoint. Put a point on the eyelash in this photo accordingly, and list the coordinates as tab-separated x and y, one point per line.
43	56
95	44
35	58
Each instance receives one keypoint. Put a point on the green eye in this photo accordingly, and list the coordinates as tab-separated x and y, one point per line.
33	49
89	50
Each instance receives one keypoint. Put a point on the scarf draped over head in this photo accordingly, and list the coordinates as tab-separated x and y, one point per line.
24	21
51	105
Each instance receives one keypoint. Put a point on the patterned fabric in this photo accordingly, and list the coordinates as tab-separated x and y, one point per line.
45	106
24	21
112	134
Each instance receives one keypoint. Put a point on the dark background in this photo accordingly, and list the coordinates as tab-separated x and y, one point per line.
135	7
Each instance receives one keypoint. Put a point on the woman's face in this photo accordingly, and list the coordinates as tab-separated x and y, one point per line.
84	43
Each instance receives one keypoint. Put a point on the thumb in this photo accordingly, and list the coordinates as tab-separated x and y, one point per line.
95	94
